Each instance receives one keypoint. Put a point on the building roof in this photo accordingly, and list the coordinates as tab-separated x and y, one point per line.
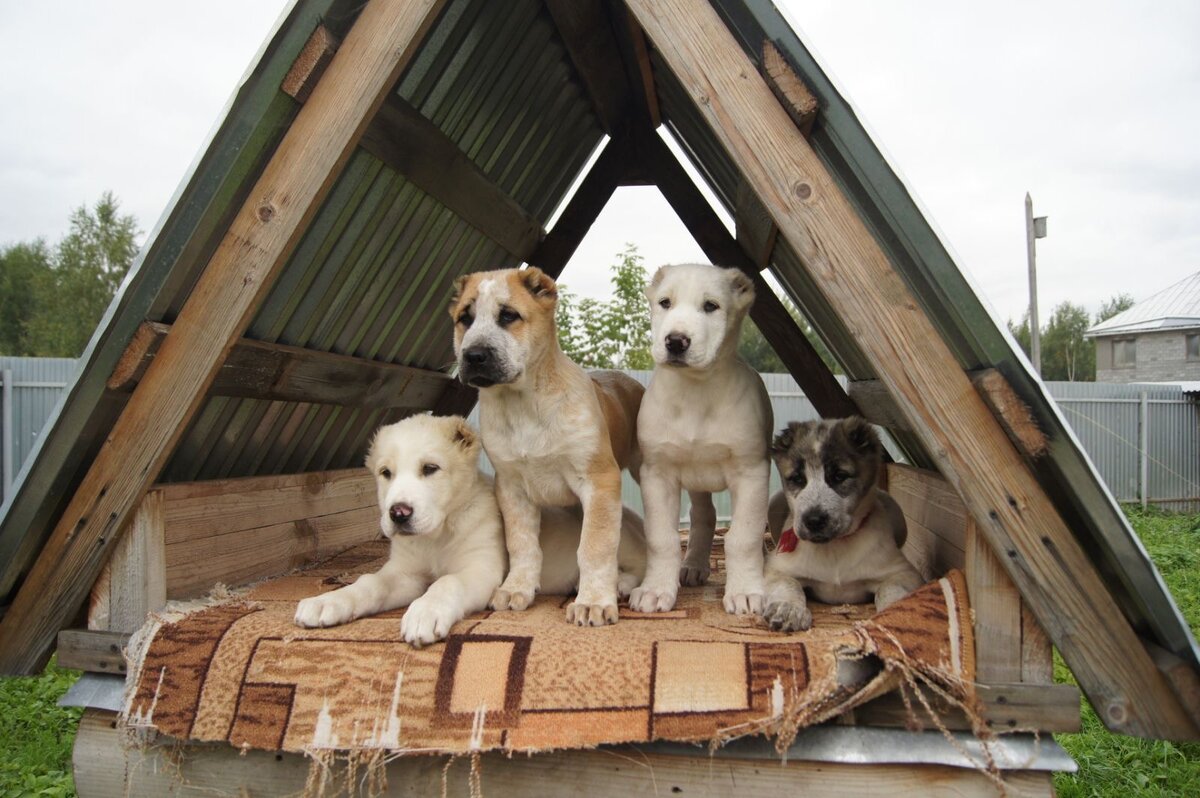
1173	308
506	105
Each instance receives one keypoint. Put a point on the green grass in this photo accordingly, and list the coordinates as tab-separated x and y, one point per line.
1112	765
36	735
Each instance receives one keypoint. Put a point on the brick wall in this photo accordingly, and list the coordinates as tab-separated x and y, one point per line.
1161	357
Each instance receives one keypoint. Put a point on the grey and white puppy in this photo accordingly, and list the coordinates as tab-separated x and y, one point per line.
843	542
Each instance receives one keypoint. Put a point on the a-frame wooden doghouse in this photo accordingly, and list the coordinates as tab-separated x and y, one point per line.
292	298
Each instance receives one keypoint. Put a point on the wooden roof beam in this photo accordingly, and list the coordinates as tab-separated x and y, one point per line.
588	36
767	312
1015	516
243	268
280	373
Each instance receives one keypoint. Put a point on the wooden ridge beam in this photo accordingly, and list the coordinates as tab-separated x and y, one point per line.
768	312
259	240
971	448
635	55
281	373
592	47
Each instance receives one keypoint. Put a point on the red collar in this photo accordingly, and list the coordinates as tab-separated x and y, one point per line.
788	540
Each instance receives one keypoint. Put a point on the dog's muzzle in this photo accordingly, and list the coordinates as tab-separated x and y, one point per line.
401	515
677	346
479	367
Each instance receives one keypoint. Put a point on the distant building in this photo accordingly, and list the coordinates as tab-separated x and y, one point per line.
1156	340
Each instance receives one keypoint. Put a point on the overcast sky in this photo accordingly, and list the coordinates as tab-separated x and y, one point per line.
1092	107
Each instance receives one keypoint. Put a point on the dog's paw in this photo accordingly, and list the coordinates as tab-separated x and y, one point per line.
743	603
582	614
427	622
788	616
516	600
329	609
626	582
692	575
650	599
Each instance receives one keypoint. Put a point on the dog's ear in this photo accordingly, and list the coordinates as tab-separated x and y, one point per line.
460	285
652	286
369	462
784	440
539	284
861	434
465	435
742	287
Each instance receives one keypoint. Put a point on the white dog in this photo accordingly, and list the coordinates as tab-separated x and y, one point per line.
556	435
844	541
704	426
447	542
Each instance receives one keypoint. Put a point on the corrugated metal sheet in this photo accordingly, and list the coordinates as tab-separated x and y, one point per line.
37	386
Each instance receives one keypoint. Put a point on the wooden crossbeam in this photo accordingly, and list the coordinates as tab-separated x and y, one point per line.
415	147
276	372
635	54
1013	513
588	36
768	313
258	242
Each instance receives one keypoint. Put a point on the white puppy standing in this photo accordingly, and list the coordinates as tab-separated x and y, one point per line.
704	426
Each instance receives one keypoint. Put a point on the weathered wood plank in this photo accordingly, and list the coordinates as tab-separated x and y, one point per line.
415	147
636	55
996	605
1037	655
588	36
756	232
768	313
258	242
137	578
310	64
105	765
277	372
95	651
904	348
1006	708
795	97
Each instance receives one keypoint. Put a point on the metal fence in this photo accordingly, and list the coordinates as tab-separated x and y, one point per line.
1143	439
31	389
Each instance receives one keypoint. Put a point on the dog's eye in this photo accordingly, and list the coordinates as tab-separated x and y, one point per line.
508	316
664	303
711	307
465	318
383	472
429	469
838	477
798	479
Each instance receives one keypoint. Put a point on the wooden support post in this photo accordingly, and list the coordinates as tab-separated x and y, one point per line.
133	583
996	605
93	651
260	239
588	36
635	56
772	318
972	450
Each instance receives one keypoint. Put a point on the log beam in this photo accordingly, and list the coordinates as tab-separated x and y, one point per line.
259	241
972	450
588	36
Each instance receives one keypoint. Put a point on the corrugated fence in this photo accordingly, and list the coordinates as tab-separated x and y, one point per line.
1143	439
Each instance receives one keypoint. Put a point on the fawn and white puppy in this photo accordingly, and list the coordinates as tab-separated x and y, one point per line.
704	426
556	435
843	545
447	543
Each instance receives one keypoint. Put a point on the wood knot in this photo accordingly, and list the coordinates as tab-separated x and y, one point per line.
266	212
802	190
1117	712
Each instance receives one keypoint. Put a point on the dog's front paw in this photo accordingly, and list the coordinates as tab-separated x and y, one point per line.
426	622
788	616
649	598
692	575
505	599
582	614
743	603
329	609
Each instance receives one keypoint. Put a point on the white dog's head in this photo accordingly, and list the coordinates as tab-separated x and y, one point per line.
828	469
696	313
503	322
424	467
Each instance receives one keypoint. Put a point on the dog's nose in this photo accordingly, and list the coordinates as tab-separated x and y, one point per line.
678	344
815	520
400	512
477	355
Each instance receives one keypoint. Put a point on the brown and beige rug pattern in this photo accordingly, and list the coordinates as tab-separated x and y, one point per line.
239	671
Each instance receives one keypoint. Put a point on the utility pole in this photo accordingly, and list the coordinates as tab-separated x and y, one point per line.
1035	228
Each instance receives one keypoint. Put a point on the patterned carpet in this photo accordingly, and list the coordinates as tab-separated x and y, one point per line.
239	671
